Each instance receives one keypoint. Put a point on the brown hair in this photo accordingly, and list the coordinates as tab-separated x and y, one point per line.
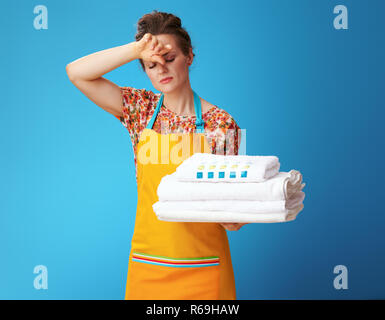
164	23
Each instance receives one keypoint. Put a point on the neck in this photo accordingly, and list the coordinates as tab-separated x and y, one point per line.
180	100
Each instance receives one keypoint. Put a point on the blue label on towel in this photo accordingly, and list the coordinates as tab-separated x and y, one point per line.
221	174
232	174
210	175
244	174
199	175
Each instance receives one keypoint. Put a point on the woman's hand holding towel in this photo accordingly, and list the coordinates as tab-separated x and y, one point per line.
230	190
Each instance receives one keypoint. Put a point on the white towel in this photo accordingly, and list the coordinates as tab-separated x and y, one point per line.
280	187
225	216
209	167
248	206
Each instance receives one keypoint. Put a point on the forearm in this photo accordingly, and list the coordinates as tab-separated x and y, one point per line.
95	65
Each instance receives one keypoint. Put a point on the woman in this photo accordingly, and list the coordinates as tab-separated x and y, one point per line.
168	260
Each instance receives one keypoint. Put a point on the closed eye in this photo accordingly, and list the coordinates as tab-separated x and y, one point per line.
166	61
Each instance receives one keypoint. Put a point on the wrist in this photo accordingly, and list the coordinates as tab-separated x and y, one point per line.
136	49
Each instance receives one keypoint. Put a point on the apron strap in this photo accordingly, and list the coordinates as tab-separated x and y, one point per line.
199	123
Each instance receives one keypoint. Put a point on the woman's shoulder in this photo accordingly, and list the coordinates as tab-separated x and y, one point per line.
138	105
222	131
136	96
219	117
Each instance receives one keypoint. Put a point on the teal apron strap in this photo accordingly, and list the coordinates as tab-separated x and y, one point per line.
199	123
159	104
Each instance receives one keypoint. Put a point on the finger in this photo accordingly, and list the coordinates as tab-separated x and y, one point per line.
154	43
159	59
146	40
225	225
158	47
237	226
147	37
231	226
165	50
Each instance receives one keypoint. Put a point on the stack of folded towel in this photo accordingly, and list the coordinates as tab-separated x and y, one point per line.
219	188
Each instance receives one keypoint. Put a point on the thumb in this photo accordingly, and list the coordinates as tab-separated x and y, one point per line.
147	37
159	59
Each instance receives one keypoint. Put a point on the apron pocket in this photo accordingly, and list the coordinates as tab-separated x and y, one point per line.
163	278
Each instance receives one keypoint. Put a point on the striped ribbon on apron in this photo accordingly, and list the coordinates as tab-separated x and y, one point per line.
176	262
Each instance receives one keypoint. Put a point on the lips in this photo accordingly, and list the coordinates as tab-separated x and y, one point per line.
166	80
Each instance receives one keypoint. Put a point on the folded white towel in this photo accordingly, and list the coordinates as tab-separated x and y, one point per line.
226	216
280	187
248	206
209	167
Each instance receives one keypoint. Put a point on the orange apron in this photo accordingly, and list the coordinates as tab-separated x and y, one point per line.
174	260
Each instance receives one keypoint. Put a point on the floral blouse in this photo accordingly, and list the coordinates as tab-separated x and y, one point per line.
221	130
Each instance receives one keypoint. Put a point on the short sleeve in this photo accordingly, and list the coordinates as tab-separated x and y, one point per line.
136	104
233	138
223	133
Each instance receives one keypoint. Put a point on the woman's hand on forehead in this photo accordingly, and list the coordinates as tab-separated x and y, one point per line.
152	49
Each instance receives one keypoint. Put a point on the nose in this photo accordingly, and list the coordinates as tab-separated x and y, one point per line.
162	68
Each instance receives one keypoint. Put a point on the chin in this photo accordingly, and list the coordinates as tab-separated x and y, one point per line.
167	88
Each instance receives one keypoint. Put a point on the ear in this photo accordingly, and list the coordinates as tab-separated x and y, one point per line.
190	57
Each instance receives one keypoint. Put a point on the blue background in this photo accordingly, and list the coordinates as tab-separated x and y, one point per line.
303	91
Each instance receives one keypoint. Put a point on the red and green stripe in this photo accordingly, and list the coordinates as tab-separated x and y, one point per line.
175	262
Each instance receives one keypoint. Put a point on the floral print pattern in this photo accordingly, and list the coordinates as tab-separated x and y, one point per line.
221	130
